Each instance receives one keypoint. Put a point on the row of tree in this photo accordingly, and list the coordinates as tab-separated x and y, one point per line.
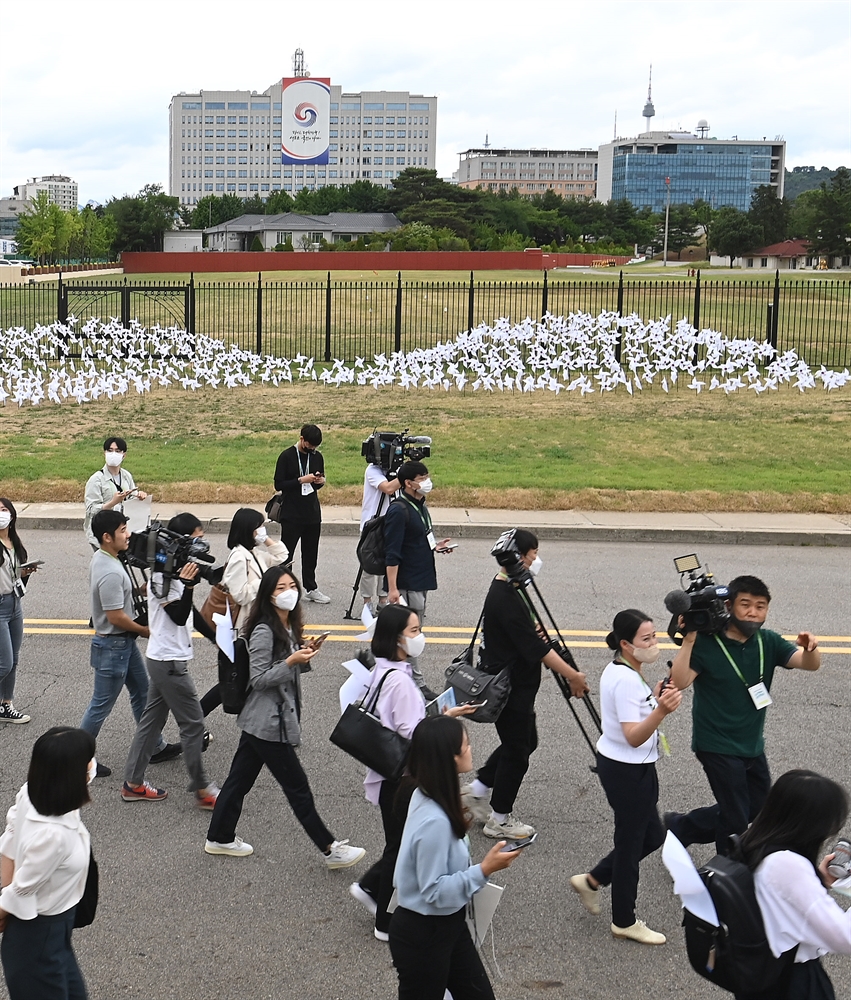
441	216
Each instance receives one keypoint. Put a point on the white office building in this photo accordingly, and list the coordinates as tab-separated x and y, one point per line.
229	142
570	173
61	190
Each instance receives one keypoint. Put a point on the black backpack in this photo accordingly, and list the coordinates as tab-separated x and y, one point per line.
233	678
735	955
372	554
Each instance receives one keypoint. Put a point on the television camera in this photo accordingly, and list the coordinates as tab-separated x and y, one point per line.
700	601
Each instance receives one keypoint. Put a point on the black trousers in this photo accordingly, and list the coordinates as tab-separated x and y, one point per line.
308	534
506	767
378	881
806	981
433	954
632	791
740	786
251	754
39	961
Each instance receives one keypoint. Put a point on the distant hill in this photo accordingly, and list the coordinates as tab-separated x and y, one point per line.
805	179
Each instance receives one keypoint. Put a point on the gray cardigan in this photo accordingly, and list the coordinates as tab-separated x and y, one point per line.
271	711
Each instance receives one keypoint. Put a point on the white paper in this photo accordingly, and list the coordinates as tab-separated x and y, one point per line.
356	685
368	624
842	886
138	513
688	885
483	906
224	632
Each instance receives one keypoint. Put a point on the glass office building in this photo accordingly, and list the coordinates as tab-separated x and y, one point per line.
723	172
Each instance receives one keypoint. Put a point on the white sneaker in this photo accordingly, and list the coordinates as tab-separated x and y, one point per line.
639	932
590	897
511	829
317	596
380	935
342	855
356	891
237	848
8	713
478	806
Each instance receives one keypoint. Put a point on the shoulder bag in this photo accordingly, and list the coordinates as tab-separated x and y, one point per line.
361	734
273	507
84	913
474	684
216	602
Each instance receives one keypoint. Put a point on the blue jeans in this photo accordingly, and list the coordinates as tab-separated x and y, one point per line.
117	662
11	637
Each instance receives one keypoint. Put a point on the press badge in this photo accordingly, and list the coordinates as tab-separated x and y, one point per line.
759	695
432	544
306	489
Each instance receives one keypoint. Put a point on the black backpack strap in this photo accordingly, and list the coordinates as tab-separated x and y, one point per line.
370	706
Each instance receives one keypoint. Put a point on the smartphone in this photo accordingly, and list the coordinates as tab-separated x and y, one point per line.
476	704
33	563
318	640
517	845
449	547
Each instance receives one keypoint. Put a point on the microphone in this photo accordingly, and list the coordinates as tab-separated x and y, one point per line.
421	439
677	602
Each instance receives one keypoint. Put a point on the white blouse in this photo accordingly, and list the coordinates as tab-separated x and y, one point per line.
797	909
243	570
51	855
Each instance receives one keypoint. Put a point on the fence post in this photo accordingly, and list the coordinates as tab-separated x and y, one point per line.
328	318
61	301
545	296
619	341
696	320
775	312
259	312
470	303
125	304
190	304
397	329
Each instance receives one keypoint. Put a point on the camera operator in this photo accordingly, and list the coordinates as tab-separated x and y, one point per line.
512	638
115	657
378	490
171	685
410	547
732	674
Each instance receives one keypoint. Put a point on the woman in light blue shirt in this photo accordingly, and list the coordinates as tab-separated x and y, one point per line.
435	878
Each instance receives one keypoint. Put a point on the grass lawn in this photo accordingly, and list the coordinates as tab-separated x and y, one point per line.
783	451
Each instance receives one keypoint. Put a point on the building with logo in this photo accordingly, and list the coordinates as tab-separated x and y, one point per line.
61	190
229	142
571	173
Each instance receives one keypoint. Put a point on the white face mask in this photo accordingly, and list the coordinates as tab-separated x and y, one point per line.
286	600
92	771
426	486
414	644
113	458
260	536
5	519
646	654
535	567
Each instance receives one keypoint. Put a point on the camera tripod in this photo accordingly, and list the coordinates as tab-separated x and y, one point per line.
347	614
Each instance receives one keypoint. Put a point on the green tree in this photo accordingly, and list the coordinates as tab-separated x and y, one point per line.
257	244
214	211
414	236
733	234
142	219
830	227
770	214
682	223
36	235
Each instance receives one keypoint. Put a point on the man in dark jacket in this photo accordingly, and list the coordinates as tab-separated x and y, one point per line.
299	475
410	546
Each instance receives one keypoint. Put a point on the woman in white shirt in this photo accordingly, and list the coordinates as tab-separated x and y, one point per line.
802	811
627	753
252	552
44	862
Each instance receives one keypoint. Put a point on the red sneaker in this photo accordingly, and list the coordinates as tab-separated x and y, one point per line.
142	793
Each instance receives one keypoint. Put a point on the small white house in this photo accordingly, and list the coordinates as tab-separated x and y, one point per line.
304	232
183	240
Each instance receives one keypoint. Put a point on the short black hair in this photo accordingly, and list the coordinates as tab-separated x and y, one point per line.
57	781
184	524
391	623
747	585
245	522
120	443
525	540
107	522
311	434
410	470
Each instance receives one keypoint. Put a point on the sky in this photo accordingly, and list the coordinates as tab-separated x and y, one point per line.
86	92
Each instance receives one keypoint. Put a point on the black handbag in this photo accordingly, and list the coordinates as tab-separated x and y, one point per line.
474	684
85	911
361	735
273	507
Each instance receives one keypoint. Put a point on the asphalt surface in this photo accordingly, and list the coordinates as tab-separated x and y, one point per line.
177	924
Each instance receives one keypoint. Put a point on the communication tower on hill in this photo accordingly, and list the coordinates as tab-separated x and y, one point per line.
649	111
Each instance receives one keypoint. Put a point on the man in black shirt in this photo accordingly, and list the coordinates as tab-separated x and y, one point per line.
299	474
511	638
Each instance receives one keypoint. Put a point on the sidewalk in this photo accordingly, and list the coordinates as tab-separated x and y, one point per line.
565	525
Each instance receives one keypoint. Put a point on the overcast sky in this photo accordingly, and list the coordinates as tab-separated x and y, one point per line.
85	86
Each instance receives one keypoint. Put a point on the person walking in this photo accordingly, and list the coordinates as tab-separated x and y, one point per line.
252	552
14	573
109	487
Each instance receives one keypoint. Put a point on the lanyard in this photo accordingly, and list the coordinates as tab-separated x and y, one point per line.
425	518
733	662
13	561
305	468
651	700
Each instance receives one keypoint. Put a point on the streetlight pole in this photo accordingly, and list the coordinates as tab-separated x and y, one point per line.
667	215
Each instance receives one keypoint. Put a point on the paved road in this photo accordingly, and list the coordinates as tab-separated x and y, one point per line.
176	924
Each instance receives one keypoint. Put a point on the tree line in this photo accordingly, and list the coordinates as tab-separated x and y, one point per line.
437	215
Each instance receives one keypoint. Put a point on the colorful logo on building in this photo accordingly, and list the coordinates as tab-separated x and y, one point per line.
305	114
306	107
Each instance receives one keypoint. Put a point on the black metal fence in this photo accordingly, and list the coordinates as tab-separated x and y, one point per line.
345	319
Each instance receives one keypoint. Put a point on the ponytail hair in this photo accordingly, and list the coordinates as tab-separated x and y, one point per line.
624	627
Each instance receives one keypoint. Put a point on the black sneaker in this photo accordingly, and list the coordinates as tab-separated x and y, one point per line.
8	713
208	739
168	752
103	771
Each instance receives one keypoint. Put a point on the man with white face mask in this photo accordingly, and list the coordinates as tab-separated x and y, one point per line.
410	546
109	487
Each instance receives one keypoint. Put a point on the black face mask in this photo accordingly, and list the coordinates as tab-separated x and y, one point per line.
745	627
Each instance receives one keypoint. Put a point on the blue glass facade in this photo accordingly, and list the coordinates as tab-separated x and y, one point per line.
722	174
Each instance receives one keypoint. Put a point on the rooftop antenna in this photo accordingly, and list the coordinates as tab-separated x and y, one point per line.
298	64
702	128
487	141
649	111
615	132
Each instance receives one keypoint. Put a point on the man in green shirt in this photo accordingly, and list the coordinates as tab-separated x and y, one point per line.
732	674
